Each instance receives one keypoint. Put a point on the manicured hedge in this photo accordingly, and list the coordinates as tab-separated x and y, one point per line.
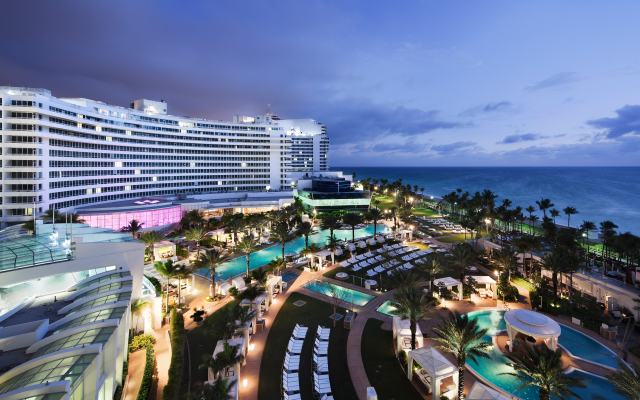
172	389
147	377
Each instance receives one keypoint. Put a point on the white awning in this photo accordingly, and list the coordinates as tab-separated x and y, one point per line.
436	365
223	288
448	281
323	253
532	323
481	392
483	279
238	282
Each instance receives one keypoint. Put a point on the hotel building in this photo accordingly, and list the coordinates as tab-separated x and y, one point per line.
83	155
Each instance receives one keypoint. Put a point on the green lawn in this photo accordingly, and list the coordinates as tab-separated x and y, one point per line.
456	237
382	366
424	212
313	313
202	341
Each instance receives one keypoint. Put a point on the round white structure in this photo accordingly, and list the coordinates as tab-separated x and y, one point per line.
533	324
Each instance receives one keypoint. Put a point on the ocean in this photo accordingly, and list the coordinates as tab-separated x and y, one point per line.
598	193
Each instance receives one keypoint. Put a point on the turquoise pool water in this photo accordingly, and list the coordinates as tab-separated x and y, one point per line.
586	348
359	298
238	265
386	307
496	364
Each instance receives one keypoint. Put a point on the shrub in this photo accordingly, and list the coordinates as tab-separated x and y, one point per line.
510	293
172	389
156	283
402	357
197	315
142	341
233	291
147	376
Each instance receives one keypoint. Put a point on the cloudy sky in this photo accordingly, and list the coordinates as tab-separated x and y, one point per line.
426	83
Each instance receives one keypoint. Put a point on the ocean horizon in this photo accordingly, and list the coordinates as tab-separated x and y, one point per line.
598	193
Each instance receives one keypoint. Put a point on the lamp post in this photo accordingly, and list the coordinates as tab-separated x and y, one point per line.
487	222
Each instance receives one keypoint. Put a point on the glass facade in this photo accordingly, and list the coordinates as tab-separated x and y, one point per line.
149	218
91	336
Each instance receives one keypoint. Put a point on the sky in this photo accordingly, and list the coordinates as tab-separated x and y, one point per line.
424	83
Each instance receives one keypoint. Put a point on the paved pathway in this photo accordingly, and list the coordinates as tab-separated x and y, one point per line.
136	363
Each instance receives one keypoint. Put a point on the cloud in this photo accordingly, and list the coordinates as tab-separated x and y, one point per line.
489	108
451	147
627	122
526	137
406	147
559	79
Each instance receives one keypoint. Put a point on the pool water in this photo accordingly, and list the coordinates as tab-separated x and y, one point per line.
238	266
491	368
584	347
386	307
286	277
359	298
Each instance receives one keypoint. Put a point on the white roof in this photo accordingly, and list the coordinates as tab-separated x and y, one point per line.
483	279
481	392
238	282
323	253
274	280
448	281
224	287
532	323
403	327
405	231
232	342
436	365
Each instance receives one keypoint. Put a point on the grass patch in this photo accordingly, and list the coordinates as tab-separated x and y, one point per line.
523	283
425	212
313	313
456	237
202	341
377	350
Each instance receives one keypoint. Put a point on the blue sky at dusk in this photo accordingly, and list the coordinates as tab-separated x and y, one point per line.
429	83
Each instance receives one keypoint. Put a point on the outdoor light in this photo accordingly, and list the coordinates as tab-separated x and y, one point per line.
244	382
274	301
252	346
431	197
487	221
496	272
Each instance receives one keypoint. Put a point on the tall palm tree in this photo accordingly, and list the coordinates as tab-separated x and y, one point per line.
251	293
553	263
261	276
542	368
330	222
305	229
462	256
554	213
197	234
544	205
236	225
280	234
433	266
166	270
333	243
183	272
395	214
352	219
608	232
136	308
276	264
247	246
212	259
507	259
530	210
569	211
220	389
463	338
404	278
150	238
375	215
414	305
133	227
626	380
228	357
586	227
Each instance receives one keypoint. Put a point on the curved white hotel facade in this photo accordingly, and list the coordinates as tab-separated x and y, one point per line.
79	154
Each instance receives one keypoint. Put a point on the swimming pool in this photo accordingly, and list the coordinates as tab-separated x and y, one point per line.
238	266
491	368
287	276
386	307
359	298
584	347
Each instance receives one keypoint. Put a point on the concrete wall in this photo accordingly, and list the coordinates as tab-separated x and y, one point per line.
23	335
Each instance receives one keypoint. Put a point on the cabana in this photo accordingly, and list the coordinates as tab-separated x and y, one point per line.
164	249
238	282
449	283
402	334
223	288
337	251
235	370
371	242
533	324
351	247
481	392
362	244
322	256
272	282
218	234
489	286
380	239
405	233
434	369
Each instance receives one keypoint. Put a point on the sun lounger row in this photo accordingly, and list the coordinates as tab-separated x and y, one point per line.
320	367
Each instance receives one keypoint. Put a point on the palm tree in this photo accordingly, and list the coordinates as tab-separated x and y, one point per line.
461	257
414	305
375	214
507	259
433	266
554	213
544	205
196	234
183	272
530	210
586	227
276	264
166	270
247	246
212	259
220	389
330	222
542	368
134	227
395	214
626	380
236	225
552	262
608	232
305	229
136	308
251	293
261	276
462	337
229	356
404	278
150	238
569	211
333	243
280	234
352	219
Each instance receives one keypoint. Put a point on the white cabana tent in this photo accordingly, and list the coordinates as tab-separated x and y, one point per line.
351	247
338	251
405	233
362	244
449	283
371	241
238	282
164	249
435	368
220	348
489	284
402	334
247	330
321	256
380	239
223	288
481	392
533	324
272	282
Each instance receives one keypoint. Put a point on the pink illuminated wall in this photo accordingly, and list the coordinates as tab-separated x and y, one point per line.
150	218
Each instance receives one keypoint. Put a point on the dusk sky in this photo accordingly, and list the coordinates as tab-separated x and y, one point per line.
430	83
